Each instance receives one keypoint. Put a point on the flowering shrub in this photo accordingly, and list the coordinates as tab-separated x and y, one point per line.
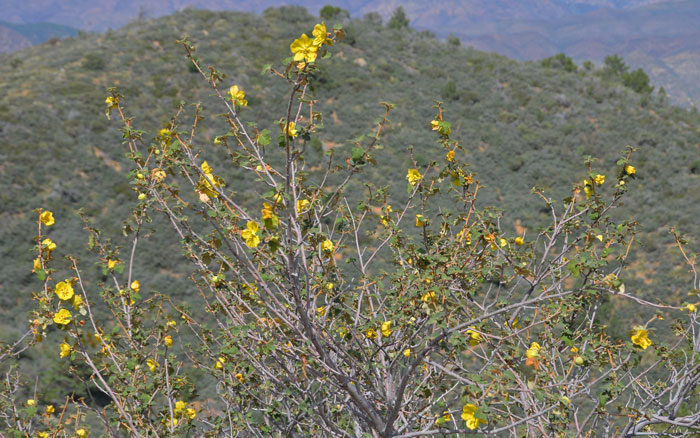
470	330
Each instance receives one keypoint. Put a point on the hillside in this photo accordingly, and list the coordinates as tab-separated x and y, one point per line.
656	35
523	125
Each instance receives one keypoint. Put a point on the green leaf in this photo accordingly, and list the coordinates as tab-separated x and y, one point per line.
211	213
263	138
41	274
357	154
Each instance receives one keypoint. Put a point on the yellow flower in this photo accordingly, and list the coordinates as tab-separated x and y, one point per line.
239	376
37	263
466	236
48	245
413	176
205	186
321	35
250	234
111	101
77	301
64	290
435	124
152	364
220	363
43	435
31	402
168	340
302	204
475	336
519	241
630	170
455	177
640	337
327	246
450	156
599	179
237	96
420	220
371	333
180	406
304	49
170	324
80	433
407	352
50	410
468	415
62	317
428	297
386	328
444	418
574	349
46	218
158	175
269	218
111	263
534	351
174	422
690	308
587	188
292	130
135	286
191	413
320	311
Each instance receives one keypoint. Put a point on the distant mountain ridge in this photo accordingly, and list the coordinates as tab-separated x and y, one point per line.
99	15
11	40
15	36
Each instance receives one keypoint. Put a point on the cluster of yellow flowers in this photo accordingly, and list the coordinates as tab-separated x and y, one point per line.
589	187
181	411
306	49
